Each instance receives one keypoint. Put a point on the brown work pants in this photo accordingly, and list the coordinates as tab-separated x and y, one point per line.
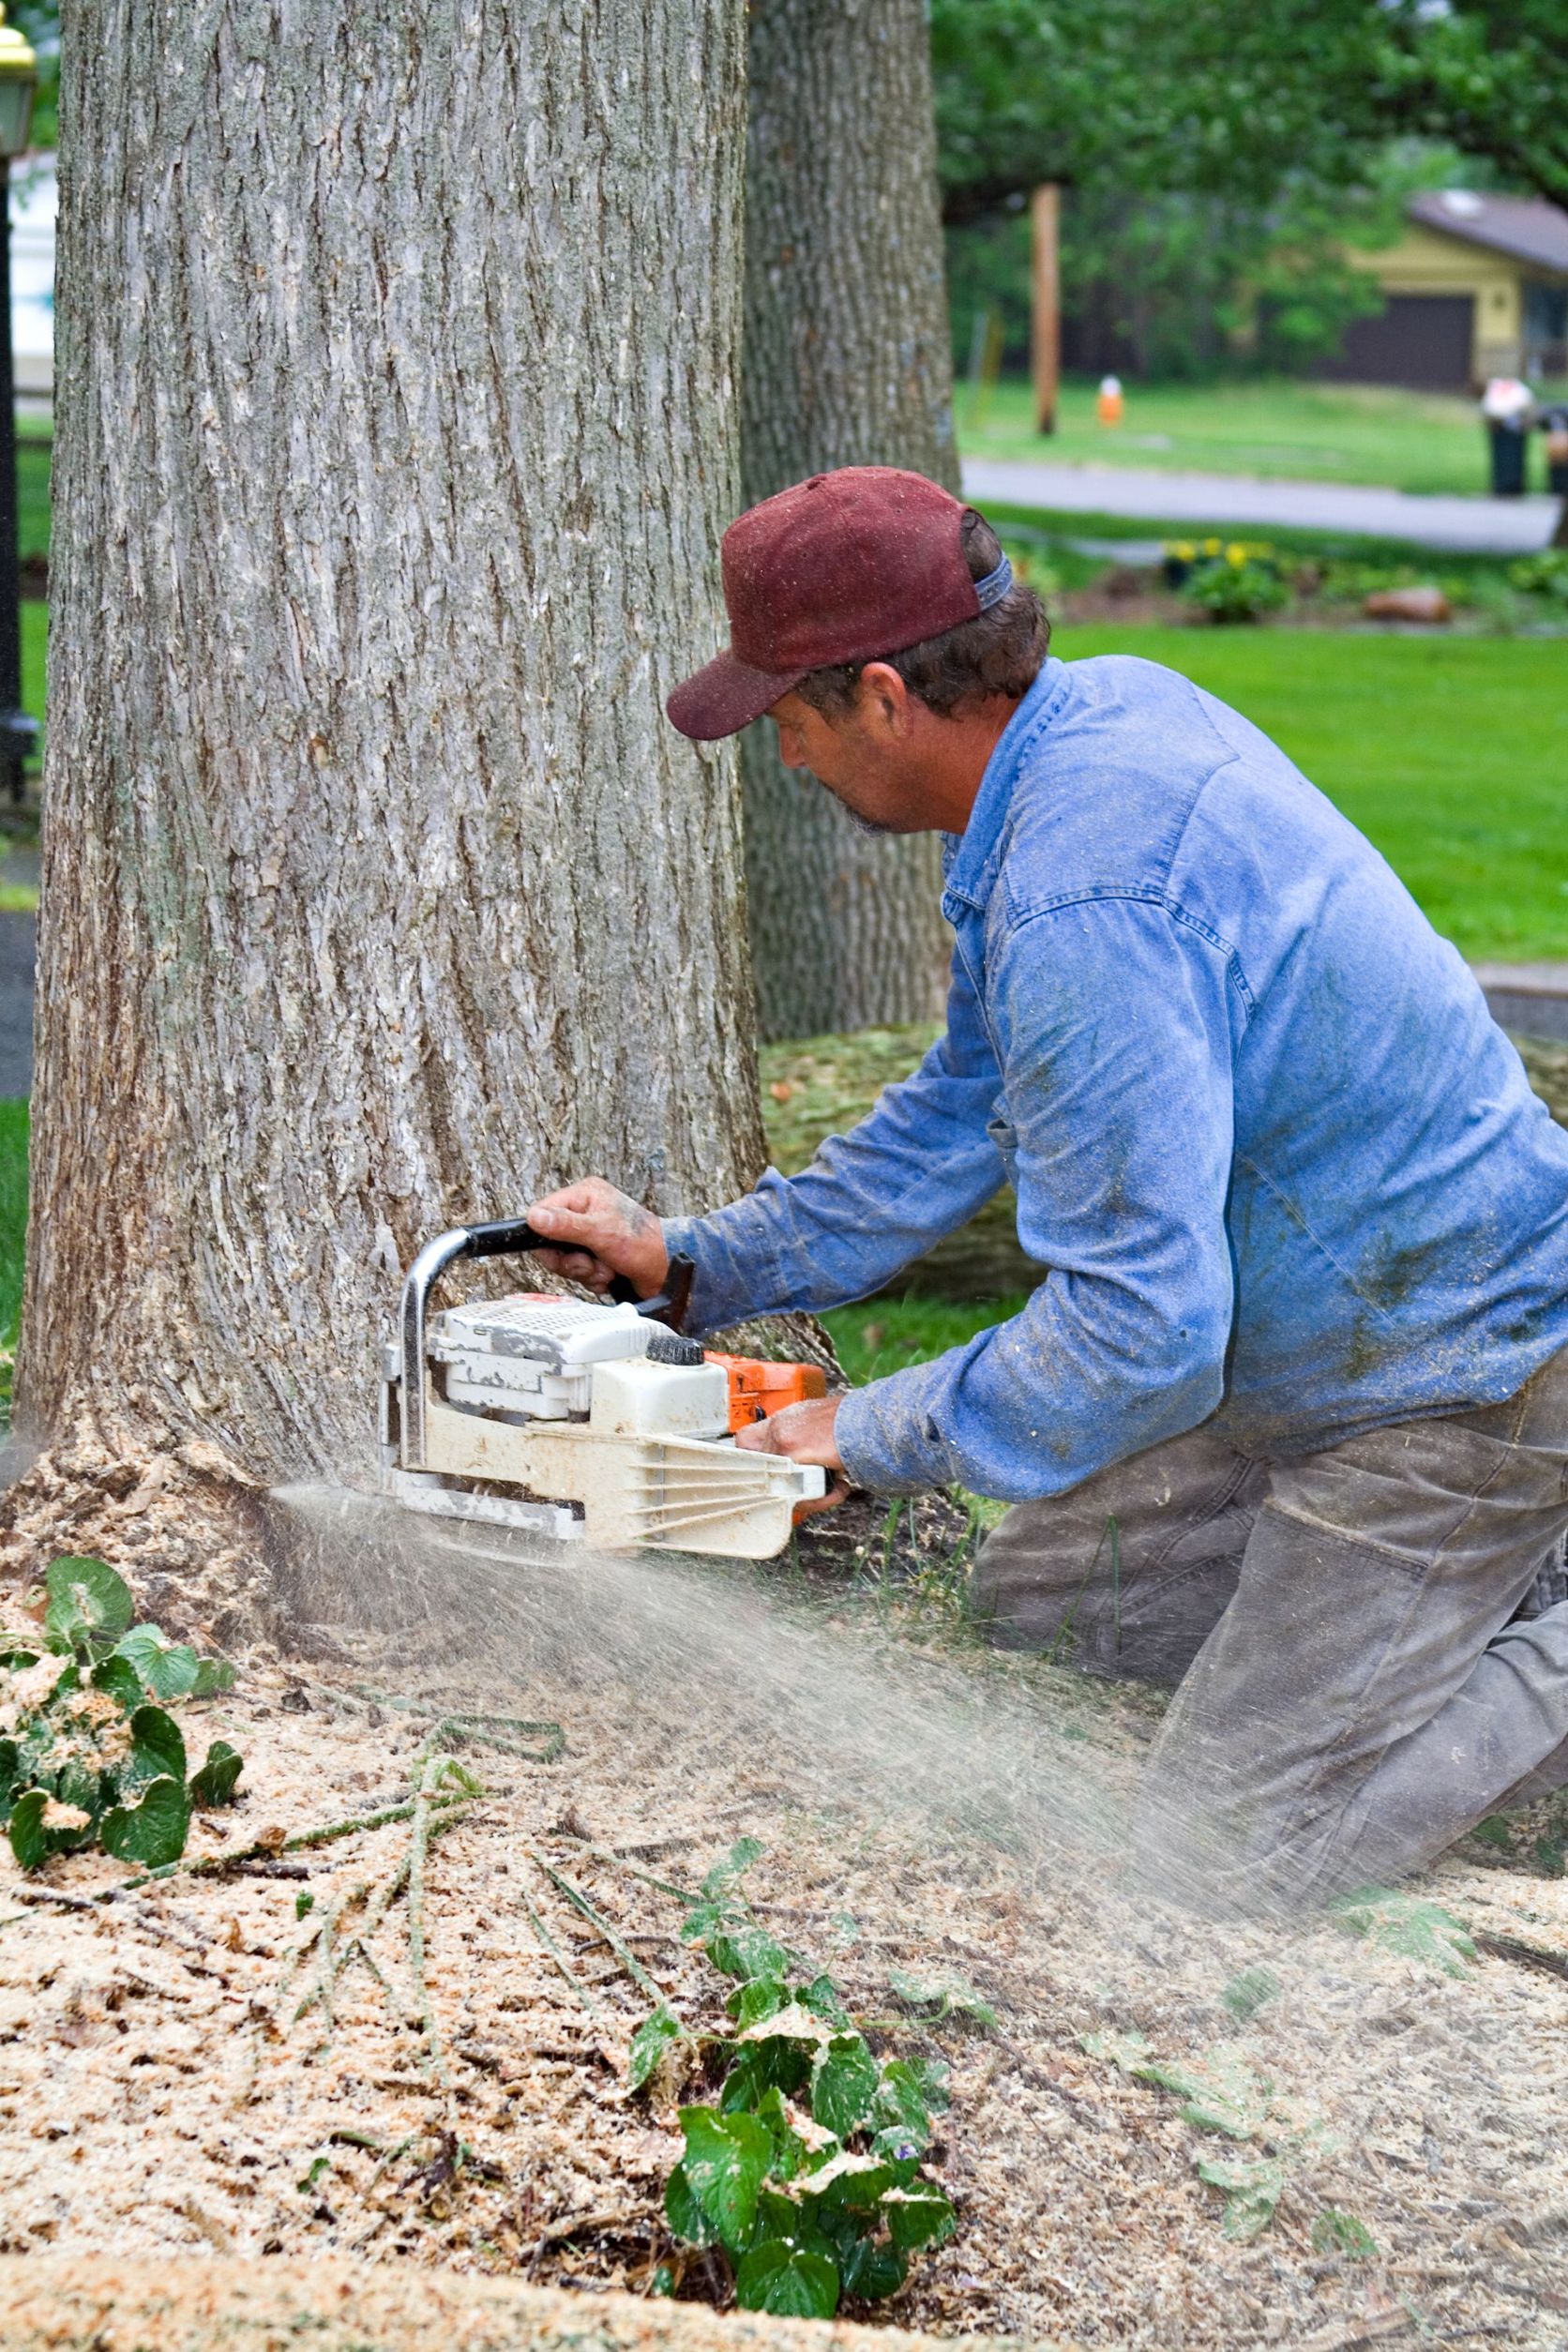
1355	1688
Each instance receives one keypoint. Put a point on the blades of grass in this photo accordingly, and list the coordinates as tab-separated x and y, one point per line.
617	1942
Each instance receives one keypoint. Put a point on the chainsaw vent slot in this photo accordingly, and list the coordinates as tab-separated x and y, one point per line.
671	1347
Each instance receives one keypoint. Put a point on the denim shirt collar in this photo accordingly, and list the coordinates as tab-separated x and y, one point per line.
971	859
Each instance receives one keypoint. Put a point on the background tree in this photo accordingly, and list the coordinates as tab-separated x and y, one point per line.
1226	149
394	441
845	362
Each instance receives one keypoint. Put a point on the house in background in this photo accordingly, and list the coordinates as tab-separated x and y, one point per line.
1476	287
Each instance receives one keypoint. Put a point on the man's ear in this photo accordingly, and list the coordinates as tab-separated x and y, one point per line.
884	700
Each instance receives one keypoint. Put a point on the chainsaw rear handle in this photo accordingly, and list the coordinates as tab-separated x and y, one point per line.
506	1237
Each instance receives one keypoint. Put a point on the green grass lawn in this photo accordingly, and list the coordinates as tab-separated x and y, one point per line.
1450	753
1273	429
31	491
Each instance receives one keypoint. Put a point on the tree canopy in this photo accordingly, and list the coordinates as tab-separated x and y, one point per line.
1238	99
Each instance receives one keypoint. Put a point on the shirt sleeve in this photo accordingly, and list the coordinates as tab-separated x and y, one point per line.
871	1201
1114	1019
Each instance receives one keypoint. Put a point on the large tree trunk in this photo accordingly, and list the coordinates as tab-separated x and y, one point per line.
395	438
845	362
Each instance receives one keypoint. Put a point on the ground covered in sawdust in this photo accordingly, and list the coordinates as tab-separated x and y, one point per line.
239	2059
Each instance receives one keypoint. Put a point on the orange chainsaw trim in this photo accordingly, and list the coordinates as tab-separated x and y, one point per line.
758	1390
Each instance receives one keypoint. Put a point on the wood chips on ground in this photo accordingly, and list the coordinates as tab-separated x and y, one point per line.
173	2083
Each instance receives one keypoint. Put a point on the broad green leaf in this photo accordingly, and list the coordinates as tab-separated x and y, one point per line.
153	1833
87	1600
10	1764
15	1661
156	1745
793	2022
906	2094
762	1997
728	1874
844	2084
761	2067
119	1678
727	2159
1333	2232
748	1953
855	2182
780	2277
921	2216
685	2217
822	1997
1252	2188
789	2150
212	1676
650	2041
169	1668
28	1836
940	1997
214	1784
869	2271
1406	1926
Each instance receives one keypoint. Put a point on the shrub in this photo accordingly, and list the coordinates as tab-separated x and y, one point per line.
88	1754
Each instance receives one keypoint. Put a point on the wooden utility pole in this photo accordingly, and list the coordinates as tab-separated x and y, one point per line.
1045	217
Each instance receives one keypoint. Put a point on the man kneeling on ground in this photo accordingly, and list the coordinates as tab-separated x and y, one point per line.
1286	1420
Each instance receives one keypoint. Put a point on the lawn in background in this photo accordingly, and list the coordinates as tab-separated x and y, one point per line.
1450	753
1277	430
13	1236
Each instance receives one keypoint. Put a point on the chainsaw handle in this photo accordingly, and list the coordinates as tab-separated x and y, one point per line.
509	1237
512	1236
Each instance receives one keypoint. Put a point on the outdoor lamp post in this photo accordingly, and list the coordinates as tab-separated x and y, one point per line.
19	80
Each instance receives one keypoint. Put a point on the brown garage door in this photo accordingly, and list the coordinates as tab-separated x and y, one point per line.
1423	340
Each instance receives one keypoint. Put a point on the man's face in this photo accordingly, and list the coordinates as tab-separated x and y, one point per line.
861	756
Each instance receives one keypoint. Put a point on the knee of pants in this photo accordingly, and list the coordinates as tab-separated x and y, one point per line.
1144	1628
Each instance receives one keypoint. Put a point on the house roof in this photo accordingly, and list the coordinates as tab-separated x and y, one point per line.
1526	228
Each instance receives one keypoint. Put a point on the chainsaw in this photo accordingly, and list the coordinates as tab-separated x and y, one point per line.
582	1422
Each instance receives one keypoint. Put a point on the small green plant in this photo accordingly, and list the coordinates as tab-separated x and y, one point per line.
88	1754
805	2169
1544	574
1231	582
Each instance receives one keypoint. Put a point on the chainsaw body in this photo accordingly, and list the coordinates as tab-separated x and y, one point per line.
582	1422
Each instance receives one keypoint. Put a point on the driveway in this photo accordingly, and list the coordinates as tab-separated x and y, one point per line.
1470	526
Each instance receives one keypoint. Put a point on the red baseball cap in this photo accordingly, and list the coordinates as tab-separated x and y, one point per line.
844	567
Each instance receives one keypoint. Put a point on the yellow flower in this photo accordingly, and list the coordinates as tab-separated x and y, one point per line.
1211	547
1235	555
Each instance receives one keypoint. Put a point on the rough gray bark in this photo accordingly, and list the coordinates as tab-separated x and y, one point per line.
394	435
845	362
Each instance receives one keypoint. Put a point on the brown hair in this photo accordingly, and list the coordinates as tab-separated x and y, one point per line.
999	651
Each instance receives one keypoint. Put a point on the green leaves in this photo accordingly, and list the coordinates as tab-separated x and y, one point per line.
844	2084
214	1784
652	2038
68	1773
152	1833
784	2277
725	2163
169	1670
87	1602
806	2211
1333	2232
157	1746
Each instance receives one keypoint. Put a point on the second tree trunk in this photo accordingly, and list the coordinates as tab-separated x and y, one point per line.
845	363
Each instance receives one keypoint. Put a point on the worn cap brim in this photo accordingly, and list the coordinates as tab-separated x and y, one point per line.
725	696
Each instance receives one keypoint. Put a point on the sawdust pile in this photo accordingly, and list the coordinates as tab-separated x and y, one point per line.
182	2071
101	2306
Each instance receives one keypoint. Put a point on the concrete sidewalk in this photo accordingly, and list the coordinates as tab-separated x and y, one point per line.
1469	526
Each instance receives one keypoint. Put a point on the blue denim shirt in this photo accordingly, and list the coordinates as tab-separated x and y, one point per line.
1281	1169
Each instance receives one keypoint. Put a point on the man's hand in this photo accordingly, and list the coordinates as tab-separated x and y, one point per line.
804	1433
598	1233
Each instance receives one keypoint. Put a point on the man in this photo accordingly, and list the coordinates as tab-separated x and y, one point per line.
1286	1420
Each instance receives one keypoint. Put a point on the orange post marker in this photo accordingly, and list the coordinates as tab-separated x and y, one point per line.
758	1390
